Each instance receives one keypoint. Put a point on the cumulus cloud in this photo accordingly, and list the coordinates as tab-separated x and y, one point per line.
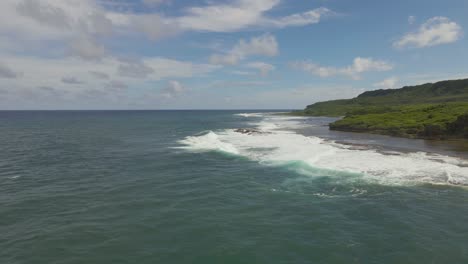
72	27
354	71
37	71
87	48
7	72
435	31
388	83
264	45
165	68
43	70
67	20
173	89
43	13
154	26
68	16
241	14
56	43
301	19
134	69
226	17
81	26
263	68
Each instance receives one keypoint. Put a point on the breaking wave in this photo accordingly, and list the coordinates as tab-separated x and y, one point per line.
314	156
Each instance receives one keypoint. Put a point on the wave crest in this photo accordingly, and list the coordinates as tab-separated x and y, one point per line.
307	154
208	141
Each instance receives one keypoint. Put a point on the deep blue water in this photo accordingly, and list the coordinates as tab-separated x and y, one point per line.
121	187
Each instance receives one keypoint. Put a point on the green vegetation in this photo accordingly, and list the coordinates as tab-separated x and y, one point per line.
437	111
422	121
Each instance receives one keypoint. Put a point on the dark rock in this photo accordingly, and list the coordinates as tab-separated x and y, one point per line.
249	131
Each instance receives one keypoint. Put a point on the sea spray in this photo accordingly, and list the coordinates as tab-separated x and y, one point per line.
282	147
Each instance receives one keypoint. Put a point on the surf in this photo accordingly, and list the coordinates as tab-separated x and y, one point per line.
314	156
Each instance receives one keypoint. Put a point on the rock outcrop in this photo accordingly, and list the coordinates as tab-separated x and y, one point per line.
249	131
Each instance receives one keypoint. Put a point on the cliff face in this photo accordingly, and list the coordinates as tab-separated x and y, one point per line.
460	126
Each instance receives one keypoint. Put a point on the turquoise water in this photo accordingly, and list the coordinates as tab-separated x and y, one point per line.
146	187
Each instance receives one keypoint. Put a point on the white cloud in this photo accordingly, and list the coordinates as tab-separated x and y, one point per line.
226	17
214	17
388	83
68	20
411	20
301	19
154	26
39	71
87	48
167	68
56	72
315	69
368	64
104	89
7	72
262	67
134	69
80	26
435	31
173	89
264	45
242	14
43	14
354	71
52	44
75	25
53	19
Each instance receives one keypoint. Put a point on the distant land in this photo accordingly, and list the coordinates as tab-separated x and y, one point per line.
430	111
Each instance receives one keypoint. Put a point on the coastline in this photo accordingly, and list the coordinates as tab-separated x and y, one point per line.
435	111
318	126
447	121
398	135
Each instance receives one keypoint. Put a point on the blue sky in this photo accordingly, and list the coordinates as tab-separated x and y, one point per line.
230	54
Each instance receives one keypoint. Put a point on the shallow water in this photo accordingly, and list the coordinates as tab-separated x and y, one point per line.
183	187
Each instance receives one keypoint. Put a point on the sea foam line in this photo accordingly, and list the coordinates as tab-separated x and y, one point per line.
280	147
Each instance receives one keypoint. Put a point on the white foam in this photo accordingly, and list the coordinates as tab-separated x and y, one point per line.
250	114
282	147
269	122
208	142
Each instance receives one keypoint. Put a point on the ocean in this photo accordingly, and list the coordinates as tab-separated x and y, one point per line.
185	187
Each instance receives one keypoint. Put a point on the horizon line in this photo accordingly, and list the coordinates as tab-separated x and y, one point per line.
213	109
